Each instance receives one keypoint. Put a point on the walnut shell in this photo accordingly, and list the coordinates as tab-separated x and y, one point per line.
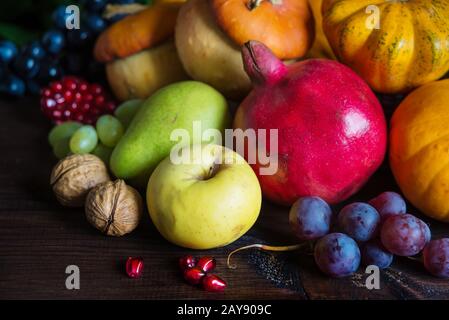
114	208
74	176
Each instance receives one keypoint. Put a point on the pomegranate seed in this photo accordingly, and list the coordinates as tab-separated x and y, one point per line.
79	117
134	267
59	98
206	264
95	89
46	92
68	96
94	112
213	283
69	83
82	100
85	107
74	107
67	114
99	100
193	275
110	106
56	87
186	262
88	97
83	86
48	103
57	114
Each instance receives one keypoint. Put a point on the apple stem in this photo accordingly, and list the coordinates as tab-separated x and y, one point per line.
266	248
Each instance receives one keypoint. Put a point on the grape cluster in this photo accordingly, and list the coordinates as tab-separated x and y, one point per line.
369	233
59	51
73	137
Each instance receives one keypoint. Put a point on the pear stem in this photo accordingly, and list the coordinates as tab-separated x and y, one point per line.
264	247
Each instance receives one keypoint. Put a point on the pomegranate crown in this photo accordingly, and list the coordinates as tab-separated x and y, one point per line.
260	63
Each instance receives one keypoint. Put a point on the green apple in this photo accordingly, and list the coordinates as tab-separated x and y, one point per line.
147	140
207	202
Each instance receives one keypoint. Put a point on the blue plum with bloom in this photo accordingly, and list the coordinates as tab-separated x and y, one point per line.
337	255
359	220
310	218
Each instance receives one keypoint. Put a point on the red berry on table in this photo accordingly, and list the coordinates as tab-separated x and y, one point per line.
91	101
134	267
213	283
194	275
187	262
206	264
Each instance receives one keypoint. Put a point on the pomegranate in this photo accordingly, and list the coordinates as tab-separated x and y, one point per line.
331	128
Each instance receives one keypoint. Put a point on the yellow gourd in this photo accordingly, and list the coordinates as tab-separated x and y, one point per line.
419	148
320	47
408	47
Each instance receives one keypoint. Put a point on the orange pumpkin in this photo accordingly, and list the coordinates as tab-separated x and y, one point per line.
139	31
285	26
408	47
419	148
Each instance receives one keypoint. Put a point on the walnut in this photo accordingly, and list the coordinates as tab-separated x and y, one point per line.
114	208
74	176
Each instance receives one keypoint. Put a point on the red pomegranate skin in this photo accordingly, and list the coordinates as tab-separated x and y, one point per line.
332	131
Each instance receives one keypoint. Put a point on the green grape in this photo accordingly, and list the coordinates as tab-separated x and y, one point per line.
63	131
84	140
103	152
127	110
61	148
110	130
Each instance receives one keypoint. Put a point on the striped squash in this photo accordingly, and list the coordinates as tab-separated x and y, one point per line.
409	49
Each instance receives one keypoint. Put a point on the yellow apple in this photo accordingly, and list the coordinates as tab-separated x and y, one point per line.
206	202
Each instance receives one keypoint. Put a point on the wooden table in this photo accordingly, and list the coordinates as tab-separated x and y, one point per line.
39	239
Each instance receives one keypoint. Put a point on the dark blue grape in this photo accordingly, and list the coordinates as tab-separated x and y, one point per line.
60	16
26	66
404	235
49	70
34	49
374	253
310	218
12	85
96	5
389	204
95	23
77	38
359	220
8	51
436	257
337	255
53	41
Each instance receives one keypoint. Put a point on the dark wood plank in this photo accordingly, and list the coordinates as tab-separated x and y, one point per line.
39	238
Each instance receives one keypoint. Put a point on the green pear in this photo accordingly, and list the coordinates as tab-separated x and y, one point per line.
147	139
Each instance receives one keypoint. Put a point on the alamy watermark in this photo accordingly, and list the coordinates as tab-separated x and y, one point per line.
250	143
